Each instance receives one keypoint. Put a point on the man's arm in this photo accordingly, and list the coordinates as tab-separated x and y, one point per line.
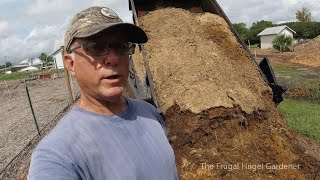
46	164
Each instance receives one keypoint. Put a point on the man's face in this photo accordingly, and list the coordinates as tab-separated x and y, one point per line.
101	77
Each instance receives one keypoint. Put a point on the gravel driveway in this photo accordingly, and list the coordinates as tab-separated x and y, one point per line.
48	97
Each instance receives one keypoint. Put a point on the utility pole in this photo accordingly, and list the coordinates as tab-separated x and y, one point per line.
5	64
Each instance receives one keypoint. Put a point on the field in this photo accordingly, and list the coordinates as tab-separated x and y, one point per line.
48	97
301	106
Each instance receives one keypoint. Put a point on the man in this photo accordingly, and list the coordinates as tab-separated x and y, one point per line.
105	135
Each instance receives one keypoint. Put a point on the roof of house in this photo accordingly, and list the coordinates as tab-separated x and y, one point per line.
274	30
31	61
55	52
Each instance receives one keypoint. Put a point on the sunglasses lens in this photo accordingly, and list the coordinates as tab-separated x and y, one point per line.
100	49
97	49
120	48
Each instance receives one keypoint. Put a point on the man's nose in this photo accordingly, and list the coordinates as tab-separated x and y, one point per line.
112	58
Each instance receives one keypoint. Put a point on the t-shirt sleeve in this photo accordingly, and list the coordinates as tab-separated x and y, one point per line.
46	164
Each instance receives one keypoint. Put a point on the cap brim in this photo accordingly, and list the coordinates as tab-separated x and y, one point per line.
134	33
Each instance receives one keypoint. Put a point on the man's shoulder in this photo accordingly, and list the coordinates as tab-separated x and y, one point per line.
146	110
64	133
138	103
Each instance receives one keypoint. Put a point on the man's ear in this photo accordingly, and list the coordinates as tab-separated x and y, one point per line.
69	63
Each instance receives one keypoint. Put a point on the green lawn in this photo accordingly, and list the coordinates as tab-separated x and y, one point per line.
23	75
287	71
253	46
302	116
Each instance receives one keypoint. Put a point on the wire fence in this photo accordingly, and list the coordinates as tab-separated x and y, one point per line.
27	106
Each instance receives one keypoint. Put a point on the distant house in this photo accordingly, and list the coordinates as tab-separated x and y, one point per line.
31	62
25	64
269	34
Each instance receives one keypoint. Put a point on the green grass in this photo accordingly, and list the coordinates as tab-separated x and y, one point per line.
315	93
302	116
26	74
287	70
253	46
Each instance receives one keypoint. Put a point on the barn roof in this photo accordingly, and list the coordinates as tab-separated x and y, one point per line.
274	30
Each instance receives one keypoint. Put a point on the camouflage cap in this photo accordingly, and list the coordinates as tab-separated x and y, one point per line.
96	19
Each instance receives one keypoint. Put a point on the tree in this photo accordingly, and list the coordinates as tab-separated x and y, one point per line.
256	28
8	64
304	15
242	30
305	30
282	43
43	57
50	59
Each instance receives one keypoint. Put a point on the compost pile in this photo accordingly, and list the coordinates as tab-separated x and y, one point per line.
219	111
308	53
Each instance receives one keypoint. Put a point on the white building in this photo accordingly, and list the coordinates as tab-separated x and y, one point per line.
269	34
57	57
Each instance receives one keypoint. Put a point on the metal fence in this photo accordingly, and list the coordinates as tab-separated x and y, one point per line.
27	106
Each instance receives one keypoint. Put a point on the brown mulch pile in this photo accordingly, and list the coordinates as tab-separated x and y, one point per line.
308	53
221	120
310	46
197	63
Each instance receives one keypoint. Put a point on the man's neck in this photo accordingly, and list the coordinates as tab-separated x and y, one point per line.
114	106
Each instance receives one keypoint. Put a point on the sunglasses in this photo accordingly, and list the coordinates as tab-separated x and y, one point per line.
101	48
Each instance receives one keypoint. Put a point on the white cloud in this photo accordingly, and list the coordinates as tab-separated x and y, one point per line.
2	2
40	39
42	7
4	29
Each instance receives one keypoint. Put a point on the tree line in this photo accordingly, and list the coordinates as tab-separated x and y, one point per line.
305	27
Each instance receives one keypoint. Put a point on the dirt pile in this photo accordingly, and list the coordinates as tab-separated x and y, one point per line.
308	53
221	120
224	144
310	46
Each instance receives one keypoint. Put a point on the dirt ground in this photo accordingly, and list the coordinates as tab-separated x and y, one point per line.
221	141
275	57
48	97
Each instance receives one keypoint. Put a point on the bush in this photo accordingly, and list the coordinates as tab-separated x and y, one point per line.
282	43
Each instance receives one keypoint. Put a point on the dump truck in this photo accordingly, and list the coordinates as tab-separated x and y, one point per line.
218	102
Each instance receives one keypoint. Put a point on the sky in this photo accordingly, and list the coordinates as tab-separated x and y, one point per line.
30	27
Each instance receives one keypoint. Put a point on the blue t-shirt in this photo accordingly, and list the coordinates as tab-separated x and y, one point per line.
86	145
